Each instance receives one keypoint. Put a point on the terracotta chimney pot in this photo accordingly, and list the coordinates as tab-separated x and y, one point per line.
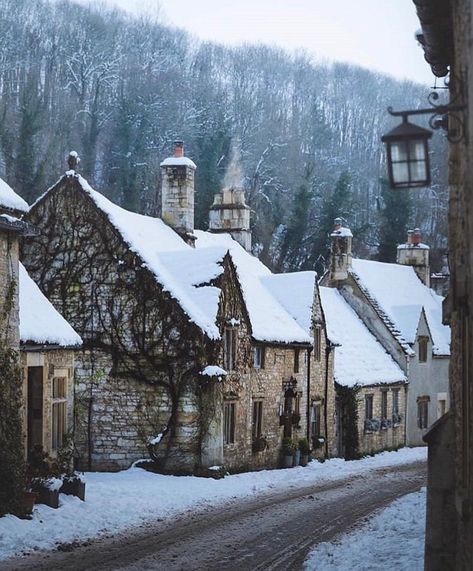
178	149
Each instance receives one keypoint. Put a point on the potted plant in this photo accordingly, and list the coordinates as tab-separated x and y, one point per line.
304	450
259	444
29	499
73	483
296	458
42	476
287	451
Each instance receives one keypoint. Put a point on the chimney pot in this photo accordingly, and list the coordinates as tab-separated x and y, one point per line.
178	149
73	160
337	223
409	236
416	237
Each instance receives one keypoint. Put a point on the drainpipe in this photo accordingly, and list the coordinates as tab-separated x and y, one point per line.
309	351
328	350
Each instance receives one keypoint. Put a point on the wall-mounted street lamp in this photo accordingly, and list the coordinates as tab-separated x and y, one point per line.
407	144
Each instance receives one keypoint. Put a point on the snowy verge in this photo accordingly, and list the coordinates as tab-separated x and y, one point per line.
393	539
116	501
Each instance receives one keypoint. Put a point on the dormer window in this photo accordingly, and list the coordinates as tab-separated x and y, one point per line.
423	345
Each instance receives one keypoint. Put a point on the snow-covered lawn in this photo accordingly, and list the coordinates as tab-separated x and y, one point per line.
393	539
124	499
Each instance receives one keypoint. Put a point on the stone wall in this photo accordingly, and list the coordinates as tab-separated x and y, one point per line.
9	271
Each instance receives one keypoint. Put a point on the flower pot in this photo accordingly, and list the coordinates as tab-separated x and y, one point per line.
48	497
304	459
287	461
29	499
73	486
296	458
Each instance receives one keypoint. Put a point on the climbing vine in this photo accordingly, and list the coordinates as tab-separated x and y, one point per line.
12	467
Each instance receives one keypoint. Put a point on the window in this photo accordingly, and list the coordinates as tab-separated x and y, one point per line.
229	348
317	343
257	419
441	404
315	419
423	343
296	360
229	423
368	407
59	404
423	412
259	357
384	404
395	401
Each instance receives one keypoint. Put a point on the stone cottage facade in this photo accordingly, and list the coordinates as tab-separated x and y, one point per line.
191	350
370	386
404	315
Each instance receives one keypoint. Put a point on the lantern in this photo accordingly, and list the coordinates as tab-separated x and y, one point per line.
408	155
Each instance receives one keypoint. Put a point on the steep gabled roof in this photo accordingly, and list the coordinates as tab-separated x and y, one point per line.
40	322
399	296
271	320
359	358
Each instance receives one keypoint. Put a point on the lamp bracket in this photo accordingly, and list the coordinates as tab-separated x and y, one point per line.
442	116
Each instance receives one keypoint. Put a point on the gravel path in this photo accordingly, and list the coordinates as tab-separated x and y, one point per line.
272	532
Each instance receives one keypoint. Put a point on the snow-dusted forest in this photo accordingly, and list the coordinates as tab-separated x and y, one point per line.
119	90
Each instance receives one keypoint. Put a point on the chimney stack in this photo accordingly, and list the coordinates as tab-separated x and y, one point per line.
416	254
177	192
340	252
229	213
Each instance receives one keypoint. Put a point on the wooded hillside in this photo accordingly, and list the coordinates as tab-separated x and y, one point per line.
305	137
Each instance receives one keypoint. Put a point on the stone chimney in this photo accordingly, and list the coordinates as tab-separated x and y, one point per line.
416	254
177	193
340	253
229	213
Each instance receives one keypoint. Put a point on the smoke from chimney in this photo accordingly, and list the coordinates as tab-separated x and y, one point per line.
234	174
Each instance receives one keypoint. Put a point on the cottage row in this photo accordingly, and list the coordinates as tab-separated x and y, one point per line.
182	344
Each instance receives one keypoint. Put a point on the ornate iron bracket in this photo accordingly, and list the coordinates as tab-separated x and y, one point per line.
442	116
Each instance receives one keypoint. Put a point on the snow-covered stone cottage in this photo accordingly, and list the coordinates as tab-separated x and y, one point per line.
371	387
193	349
47	345
405	315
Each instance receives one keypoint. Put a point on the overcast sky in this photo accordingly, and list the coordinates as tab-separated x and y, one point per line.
376	34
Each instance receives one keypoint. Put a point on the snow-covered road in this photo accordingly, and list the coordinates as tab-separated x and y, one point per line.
119	501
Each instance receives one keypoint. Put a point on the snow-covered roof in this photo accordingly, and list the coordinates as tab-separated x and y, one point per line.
419	246
295	292
178	162
176	265
359	359
39	320
401	295
10	199
342	231
271	321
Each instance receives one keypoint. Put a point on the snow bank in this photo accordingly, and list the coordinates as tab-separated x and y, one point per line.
402	295
39	320
393	539
359	359
116	501
10	199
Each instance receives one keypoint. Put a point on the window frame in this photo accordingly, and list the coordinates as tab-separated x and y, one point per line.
259	357
229	422
395	401
423	412
384	404
230	353
58	412
297	358
423	348
318	343
257	420
369	408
